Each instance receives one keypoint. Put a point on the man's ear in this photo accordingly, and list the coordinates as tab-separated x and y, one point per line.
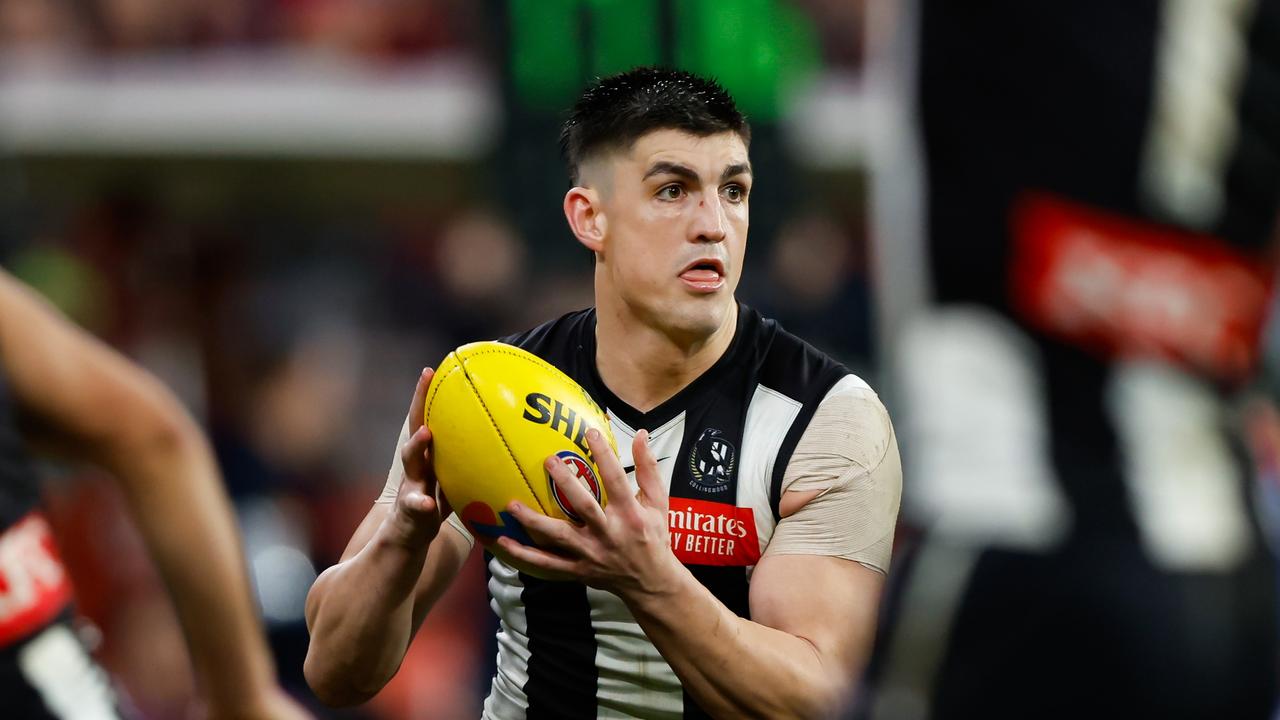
583	210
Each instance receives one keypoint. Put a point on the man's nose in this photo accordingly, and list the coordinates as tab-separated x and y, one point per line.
709	221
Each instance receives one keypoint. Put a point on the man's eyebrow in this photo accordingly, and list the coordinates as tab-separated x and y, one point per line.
670	168
737	169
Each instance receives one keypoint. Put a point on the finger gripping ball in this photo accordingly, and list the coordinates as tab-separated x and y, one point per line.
496	412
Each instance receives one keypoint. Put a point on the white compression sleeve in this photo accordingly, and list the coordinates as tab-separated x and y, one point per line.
849	454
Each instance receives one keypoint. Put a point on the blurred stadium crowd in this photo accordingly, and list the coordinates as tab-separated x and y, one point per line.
390	30
382	29
291	301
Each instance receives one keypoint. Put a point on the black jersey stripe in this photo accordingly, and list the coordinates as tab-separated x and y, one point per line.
562	673
562	650
826	379
730	586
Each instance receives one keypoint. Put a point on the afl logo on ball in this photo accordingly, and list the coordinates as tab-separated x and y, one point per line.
711	461
582	469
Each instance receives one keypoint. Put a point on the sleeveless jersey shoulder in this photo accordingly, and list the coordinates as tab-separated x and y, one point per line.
798	371
554	340
792	366
568	342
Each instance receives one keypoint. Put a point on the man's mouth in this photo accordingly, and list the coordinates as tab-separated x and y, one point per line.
705	274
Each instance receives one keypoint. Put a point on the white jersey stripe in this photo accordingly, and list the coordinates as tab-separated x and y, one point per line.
769	417
506	696
634	678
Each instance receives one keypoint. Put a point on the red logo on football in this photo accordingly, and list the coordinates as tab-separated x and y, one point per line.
582	469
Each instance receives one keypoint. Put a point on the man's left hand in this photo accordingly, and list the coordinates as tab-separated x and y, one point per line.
623	547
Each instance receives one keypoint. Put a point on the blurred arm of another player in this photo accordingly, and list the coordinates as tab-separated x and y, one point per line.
87	402
364	611
813	597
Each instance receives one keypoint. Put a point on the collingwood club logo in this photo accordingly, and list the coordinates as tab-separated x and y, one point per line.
711	461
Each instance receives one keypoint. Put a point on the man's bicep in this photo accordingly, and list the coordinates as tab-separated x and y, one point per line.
830	602
843	483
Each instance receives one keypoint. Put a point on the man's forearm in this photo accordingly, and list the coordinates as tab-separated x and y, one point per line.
360	614
733	667
172	488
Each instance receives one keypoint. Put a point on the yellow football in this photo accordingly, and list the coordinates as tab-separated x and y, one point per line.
496	413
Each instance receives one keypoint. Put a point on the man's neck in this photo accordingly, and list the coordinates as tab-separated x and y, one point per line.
644	366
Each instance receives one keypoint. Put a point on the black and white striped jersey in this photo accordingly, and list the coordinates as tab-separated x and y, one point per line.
723	443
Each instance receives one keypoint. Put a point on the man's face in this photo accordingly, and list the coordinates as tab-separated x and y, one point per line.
675	228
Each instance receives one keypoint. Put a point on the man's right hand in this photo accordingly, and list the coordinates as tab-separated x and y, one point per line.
364	611
420	505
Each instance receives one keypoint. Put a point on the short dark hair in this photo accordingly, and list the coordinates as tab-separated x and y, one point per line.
617	110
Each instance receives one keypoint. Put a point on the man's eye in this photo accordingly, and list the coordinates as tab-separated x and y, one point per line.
735	193
671	192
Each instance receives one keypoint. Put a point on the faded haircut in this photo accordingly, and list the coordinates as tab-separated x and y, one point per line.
617	110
